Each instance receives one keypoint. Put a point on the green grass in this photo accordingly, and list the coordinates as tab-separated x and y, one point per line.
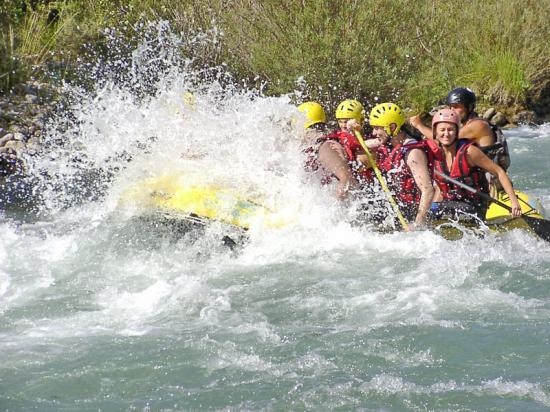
501	74
408	51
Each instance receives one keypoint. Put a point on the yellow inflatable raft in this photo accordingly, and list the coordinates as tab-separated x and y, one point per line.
181	198
175	196
499	219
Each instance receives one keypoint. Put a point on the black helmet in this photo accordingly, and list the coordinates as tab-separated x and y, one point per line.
462	95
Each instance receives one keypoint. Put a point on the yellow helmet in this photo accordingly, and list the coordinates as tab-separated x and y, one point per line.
351	109
314	112
384	114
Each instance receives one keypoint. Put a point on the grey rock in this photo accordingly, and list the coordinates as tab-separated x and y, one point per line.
6	138
18	146
23	115
34	140
12	115
31	98
34	146
499	119
39	121
524	117
489	113
17	128
21	137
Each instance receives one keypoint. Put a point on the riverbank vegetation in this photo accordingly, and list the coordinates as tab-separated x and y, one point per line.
408	51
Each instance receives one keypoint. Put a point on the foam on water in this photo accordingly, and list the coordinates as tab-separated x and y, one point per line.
393	385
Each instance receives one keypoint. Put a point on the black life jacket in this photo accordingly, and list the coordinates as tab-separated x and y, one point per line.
498	152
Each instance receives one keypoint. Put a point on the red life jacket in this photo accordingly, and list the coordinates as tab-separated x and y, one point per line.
352	146
398	174
461	171
381	153
348	141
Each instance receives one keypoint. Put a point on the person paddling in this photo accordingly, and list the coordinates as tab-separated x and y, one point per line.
325	155
350	115
408	166
463	160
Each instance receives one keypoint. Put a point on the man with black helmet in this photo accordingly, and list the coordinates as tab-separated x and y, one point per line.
463	101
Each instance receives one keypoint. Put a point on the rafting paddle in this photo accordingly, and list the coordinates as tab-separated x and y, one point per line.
540	226
382	181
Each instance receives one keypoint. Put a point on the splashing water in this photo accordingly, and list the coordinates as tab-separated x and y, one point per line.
102	310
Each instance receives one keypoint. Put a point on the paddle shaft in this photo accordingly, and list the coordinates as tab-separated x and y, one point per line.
471	189
382	181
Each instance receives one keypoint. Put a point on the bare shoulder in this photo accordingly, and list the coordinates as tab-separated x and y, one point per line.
479	131
478	127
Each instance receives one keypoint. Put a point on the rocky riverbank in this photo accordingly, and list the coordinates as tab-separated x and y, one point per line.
23	116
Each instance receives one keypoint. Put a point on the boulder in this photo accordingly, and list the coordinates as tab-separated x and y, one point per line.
499	119
489	113
18	146
6	138
524	117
